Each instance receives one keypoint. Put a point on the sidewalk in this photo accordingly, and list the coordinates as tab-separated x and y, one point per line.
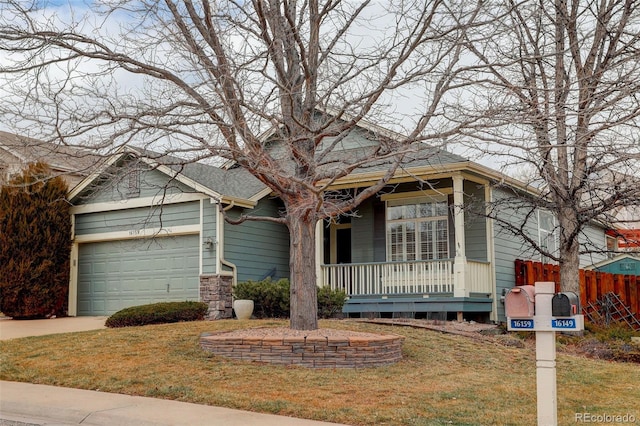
24	403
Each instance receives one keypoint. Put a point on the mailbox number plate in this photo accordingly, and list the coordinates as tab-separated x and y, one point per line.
564	323
521	324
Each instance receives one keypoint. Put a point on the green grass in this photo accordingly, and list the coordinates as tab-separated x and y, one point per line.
443	379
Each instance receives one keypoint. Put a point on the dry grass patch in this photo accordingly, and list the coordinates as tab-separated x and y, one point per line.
443	379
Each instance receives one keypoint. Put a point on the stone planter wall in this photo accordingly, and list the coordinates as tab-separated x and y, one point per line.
311	351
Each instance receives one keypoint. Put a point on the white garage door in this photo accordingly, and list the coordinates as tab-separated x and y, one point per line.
117	274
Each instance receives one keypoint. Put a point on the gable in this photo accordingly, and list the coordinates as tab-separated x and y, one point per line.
129	178
625	264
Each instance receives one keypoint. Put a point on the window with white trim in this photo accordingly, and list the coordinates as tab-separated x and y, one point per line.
547	234
417	229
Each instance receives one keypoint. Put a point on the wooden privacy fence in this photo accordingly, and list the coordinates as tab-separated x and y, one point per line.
593	284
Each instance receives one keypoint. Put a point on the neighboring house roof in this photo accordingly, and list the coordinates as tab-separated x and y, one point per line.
17	151
621	257
628	218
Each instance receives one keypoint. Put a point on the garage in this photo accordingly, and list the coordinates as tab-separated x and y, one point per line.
113	275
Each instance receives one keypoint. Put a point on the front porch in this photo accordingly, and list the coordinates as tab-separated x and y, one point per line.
412	288
417	247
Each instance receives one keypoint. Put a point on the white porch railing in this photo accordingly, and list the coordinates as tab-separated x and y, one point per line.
479	279
414	277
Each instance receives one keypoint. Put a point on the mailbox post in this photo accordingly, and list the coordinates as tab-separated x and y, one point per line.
541	310
546	358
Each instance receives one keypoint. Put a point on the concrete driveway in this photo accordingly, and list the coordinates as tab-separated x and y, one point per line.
13	329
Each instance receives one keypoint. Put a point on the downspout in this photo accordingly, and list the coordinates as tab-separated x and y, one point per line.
220	241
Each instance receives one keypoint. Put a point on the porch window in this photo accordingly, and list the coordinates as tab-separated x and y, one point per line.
547	234
417	229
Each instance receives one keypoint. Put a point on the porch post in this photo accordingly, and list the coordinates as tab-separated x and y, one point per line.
319	252
460	260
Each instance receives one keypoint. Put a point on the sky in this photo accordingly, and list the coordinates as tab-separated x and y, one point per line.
402	107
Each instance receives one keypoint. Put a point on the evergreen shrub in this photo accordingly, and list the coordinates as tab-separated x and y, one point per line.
330	302
35	245
158	313
271	298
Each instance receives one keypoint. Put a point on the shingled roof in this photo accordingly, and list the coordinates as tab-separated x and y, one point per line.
73	163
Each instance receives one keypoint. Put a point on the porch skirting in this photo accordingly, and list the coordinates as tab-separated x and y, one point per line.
416	303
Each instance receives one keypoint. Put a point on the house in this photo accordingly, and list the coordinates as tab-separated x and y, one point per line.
623	240
146	229
624	235
16	152
623	264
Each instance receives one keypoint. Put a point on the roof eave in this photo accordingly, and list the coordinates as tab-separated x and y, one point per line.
411	173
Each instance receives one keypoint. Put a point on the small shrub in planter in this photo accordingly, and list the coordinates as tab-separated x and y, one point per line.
271	298
330	302
158	313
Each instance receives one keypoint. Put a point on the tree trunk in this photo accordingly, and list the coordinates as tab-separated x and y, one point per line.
302	264
569	251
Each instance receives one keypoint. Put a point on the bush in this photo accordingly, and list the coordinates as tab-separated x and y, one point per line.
35	244
271	299
330	302
611	332
158	313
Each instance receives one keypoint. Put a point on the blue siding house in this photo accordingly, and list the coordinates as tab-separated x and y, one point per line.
146	230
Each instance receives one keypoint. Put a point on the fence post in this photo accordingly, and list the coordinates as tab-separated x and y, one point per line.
607	283
619	288
520	268
531	278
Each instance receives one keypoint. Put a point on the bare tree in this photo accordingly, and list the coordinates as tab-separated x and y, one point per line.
202	79
559	81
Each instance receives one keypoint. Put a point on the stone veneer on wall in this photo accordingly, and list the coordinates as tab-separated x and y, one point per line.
307	351
215	290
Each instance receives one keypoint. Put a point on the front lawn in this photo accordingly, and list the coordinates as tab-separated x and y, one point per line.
443	379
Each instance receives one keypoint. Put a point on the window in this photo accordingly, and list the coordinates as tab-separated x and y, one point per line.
417	229
612	246
547	234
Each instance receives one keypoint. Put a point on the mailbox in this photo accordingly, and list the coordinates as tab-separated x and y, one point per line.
565	304
520	302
